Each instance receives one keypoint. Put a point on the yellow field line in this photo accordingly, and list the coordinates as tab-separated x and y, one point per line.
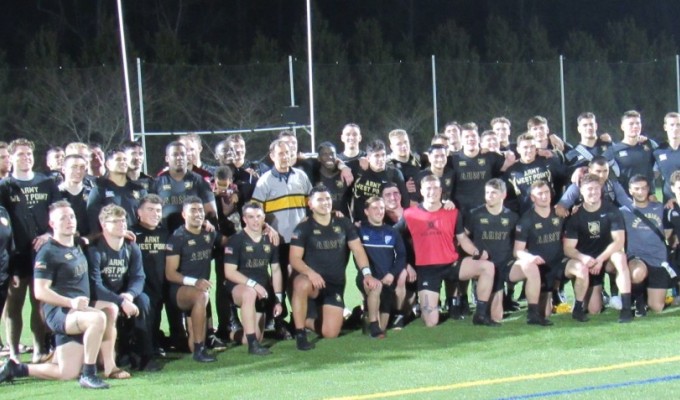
519	378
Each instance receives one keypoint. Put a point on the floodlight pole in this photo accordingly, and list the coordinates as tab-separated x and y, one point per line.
309	71
123	51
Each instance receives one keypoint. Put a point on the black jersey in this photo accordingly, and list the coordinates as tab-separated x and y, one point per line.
153	246
245	182
447	182
542	236
194	251
27	203
520	177
326	250
668	161
471	173
409	170
65	267
633	160
113	272
581	155
251	258
369	183
78	203
593	230
106	192
174	192
145	181
340	192
6	244
493	233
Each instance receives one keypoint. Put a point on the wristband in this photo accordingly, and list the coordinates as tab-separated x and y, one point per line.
189	281
251	283
365	271
279	297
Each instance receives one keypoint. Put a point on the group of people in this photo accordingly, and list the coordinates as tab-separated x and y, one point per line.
104	247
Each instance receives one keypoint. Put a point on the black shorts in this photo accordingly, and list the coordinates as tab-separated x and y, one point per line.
502	274
552	273
21	265
56	321
331	295
658	278
430	278
387	294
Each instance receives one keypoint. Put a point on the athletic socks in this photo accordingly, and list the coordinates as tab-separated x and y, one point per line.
250	337
88	369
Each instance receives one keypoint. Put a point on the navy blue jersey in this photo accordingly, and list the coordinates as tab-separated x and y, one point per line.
385	249
113	272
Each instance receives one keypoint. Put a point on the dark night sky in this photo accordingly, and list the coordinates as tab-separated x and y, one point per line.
231	24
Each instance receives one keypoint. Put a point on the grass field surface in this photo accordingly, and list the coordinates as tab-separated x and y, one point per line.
455	360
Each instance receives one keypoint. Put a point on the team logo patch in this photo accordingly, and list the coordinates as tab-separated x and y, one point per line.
388	239
267	248
109	193
168	247
249	249
447	182
505	221
481	162
339	184
316	232
623	153
69	256
538	226
188	185
337	229
166	187
191	242
555	221
207	238
135	194
484	221
4	221
365	238
338	298
40	265
663	157
462	163
594	228
645	147
228	250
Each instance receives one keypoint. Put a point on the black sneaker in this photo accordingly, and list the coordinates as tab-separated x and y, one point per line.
579	316
203	357
213	342
640	308
484	320
376	332
150	365
7	371
258	350
303	344
92	382
626	316
398	323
